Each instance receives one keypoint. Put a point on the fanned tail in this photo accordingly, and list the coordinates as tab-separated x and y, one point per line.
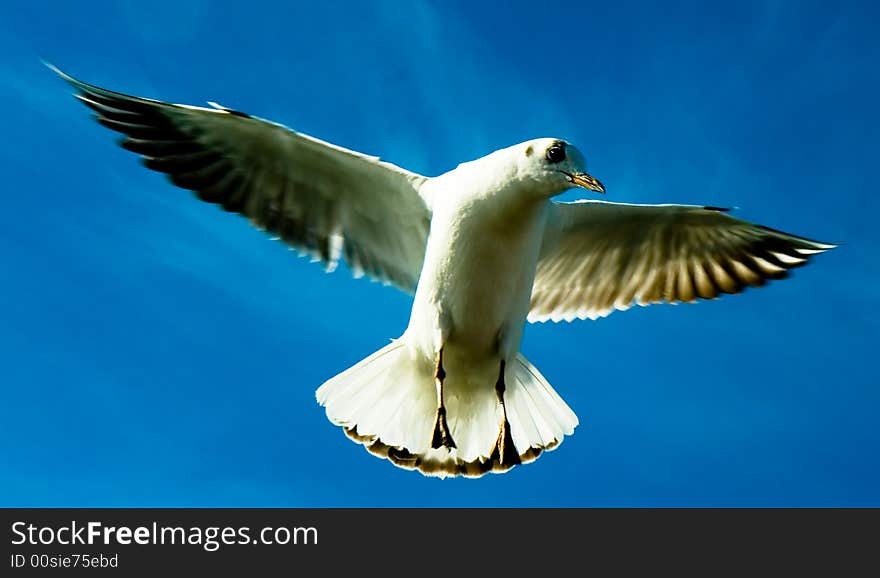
387	402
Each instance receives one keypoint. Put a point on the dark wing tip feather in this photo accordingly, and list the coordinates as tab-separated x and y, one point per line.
164	145
107	98
167	147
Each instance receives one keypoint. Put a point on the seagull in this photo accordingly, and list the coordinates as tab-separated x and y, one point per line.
483	248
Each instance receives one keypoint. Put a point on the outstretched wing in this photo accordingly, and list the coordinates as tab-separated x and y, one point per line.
597	257
323	200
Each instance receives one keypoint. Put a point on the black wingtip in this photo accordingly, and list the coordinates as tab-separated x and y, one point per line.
718	209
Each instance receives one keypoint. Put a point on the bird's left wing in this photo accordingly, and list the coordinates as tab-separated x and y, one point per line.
597	257
323	200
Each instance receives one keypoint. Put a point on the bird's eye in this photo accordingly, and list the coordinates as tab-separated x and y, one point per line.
556	154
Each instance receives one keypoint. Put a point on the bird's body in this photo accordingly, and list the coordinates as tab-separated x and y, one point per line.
475	295
471	303
483	247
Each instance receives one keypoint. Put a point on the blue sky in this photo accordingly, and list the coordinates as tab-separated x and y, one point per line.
158	352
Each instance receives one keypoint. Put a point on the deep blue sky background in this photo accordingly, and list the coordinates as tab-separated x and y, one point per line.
155	351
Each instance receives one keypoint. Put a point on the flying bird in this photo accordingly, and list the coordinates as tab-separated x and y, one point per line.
483	248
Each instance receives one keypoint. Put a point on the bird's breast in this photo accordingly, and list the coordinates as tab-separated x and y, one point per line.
477	277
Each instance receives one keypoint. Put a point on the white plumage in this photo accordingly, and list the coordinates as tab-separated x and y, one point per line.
482	246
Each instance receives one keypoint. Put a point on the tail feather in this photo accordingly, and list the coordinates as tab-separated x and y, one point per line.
535	398
376	389
387	403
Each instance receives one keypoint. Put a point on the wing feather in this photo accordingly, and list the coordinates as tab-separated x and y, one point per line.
597	257
325	201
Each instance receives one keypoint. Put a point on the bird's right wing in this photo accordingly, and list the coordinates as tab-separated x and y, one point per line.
597	257
323	200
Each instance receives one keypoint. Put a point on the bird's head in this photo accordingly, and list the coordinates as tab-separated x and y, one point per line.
555	166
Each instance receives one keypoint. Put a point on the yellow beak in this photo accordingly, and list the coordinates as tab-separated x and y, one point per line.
586	181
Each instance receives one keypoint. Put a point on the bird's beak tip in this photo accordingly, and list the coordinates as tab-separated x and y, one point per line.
588	182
